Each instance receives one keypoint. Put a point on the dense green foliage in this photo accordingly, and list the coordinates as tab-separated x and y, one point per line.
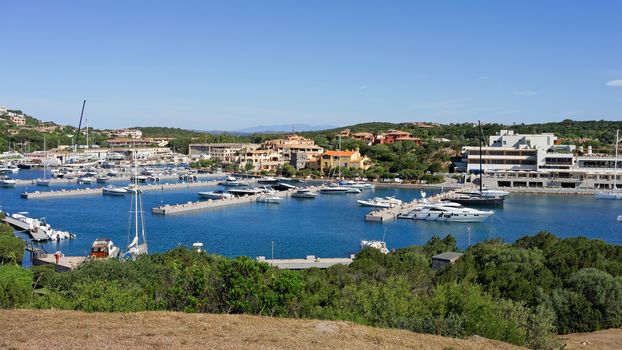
11	247
15	286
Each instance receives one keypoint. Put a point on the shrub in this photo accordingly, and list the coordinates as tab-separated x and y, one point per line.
15	286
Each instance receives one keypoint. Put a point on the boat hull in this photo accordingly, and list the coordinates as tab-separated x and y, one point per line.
482	201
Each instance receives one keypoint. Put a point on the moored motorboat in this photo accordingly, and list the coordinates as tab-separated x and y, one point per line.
333	189
269	199
230	181
103	179
103	248
378	202
267	180
7	182
304	193
353	190
86	180
215	195
114	191
283	186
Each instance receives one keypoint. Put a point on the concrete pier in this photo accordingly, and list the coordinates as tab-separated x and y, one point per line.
382	215
93	191
309	262
123	178
64	263
212	203
35	235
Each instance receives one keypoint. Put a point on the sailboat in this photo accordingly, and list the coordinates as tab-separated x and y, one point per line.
336	188
481	197
138	245
614	193
45	181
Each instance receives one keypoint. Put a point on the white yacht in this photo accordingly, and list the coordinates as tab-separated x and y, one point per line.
239	192
267	180
269	199
7	182
614	193
361	185
114	191
378	202
446	211
215	195
230	181
353	190
304	193
333	189
86	180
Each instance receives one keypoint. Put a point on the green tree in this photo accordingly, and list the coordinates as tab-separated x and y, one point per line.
15	286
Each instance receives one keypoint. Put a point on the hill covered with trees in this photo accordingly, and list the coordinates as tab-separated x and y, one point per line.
523	293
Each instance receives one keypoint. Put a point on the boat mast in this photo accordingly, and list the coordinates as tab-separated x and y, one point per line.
75	147
480	157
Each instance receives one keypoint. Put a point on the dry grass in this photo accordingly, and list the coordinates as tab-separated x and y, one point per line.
49	329
601	340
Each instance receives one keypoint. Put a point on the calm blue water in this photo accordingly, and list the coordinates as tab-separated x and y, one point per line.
329	226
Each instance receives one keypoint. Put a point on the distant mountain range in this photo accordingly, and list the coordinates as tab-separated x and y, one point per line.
283	128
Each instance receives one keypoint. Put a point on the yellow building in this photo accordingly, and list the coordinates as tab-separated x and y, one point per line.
345	159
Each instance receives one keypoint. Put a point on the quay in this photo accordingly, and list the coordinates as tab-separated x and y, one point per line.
387	214
35	235
124	178
60	262
94	191
212	203
307	263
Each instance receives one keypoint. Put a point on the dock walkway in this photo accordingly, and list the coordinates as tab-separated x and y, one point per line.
36	235
382	215
95	191
212	203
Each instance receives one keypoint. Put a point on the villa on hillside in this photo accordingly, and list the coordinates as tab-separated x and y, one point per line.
345	159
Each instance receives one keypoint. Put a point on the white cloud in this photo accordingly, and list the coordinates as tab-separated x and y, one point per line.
525	93
614	82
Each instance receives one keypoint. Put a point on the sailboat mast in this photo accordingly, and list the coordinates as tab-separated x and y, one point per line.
135	195
480	157
75	147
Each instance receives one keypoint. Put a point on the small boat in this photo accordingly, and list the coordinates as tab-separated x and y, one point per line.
267	180
7	182
283	187
304	193
86	180
239	192
620	218
380	245
446	211
43	182
216	195
113	173
230	181
269	199
386	202
353	190
114	191
140	178
333	189
104	249
103	179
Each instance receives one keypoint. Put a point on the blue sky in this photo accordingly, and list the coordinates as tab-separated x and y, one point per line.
232	64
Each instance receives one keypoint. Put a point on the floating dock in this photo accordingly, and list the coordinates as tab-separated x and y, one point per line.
212	203
95	191
36	235
382	215
307	263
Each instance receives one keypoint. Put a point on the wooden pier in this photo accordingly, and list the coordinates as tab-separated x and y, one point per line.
387	214
95	191
35	235
212	203
307	263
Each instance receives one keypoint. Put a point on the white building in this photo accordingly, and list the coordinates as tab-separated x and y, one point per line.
224	152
